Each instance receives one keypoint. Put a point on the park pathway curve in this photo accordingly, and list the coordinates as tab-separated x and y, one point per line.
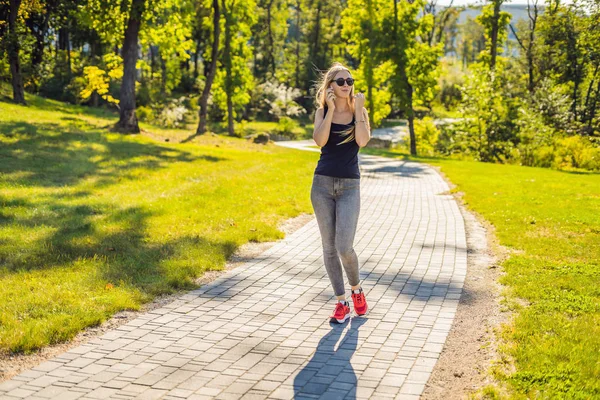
262	330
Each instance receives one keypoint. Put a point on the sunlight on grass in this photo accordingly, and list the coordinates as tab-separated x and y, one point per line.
93	222
552	219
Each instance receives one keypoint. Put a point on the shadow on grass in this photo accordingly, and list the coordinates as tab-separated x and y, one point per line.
58	228
120	251
52	155
44	104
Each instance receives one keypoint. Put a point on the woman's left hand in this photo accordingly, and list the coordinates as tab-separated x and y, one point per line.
359	102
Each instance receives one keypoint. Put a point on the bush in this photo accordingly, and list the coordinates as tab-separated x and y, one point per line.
243	129
287	127
427	135
275	100
576	152
145	114
536	140
173	114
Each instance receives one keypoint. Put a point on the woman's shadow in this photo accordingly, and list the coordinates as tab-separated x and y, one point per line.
328	365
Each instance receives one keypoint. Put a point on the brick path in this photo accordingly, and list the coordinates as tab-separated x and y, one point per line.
261	330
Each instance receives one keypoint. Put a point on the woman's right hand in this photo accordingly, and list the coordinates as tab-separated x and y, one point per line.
330	98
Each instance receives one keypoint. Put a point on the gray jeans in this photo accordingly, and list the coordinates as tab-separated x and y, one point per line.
336	202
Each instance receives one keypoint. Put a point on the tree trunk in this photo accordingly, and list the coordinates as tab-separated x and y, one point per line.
196	56
163	73
411	119
128	122
408	87
532	25
593	106
212	71
586	114
494	33
13	53
37	55
298	43
271	52
228	67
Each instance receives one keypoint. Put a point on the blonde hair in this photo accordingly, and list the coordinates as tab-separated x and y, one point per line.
321	96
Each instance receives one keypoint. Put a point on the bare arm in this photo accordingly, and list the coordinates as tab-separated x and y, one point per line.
322	127
363	128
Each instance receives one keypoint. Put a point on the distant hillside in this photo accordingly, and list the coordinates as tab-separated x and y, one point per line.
517	11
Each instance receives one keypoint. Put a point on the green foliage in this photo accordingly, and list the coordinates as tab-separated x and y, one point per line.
486	19
488	131
380	95
427	135
423	71
471	41
287	126
577	152
450	81
535	146
414	80
268	38
145	114
239	84
169	27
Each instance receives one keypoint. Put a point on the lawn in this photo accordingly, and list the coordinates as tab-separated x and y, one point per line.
93	222
551	222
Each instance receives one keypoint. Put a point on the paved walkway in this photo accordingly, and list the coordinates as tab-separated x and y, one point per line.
262	331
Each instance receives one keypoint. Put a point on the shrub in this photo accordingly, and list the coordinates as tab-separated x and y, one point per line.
287	127
173	114
427	135
273	99
243	129
536	139
576	152
145	114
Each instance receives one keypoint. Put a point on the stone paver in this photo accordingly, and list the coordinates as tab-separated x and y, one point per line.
262	331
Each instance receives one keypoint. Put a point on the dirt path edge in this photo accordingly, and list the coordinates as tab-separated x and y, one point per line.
471	347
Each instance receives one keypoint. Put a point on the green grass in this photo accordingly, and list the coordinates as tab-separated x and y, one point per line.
93	222
551	222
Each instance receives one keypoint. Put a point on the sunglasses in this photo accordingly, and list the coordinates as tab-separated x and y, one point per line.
340	81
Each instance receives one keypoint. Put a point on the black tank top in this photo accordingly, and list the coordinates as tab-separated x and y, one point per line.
340	161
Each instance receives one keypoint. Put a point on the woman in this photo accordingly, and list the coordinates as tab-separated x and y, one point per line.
341	128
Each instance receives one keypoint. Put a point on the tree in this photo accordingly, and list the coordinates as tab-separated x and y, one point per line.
236	81
528	47
494	23
268	37
362	27
128	122
212	68
472	41
13	52
402	44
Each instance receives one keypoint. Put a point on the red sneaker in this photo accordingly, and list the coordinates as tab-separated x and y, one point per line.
341	313
360	302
